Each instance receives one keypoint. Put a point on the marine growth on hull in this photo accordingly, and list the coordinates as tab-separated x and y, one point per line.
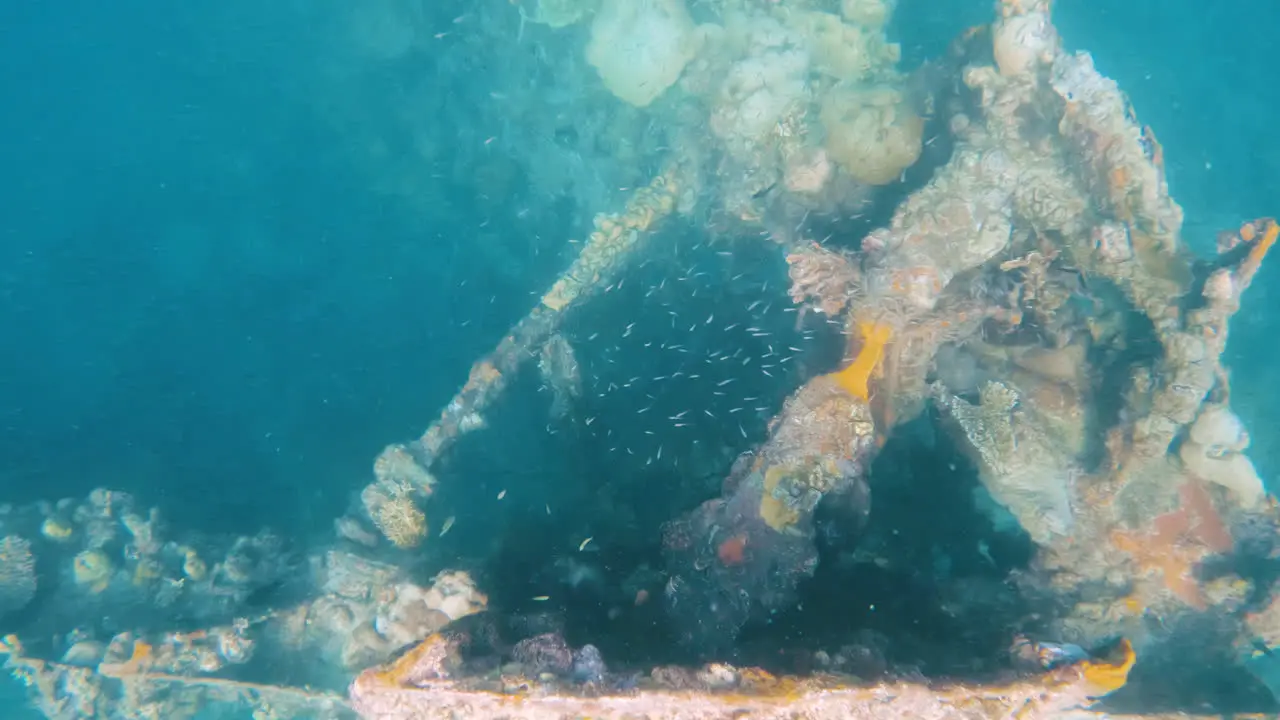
882	392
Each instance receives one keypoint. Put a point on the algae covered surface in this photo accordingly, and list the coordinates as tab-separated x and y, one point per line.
638	358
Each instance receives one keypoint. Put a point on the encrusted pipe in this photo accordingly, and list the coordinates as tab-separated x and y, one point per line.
402	476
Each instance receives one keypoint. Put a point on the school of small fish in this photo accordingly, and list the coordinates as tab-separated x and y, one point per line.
716	370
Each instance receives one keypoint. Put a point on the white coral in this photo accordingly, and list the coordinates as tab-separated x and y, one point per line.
1022	42
1213	452
872	131
756	93
640	47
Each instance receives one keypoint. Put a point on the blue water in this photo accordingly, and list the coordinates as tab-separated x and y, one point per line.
208	299
245	245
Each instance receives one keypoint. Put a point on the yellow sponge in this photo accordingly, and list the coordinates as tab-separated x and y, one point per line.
857	375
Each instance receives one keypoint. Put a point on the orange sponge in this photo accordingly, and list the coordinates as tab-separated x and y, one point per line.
1104	676
857	375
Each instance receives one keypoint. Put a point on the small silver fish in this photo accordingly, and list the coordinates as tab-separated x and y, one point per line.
448	525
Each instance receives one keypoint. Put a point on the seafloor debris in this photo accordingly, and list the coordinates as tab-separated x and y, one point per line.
134	688
359	613
443	677
102	556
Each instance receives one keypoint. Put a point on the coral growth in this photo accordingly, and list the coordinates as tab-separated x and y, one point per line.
847	52
134	689
17	574
396	516
455	594
366	611
1213	452
396	467
640	48
1022	43
821	277
1177	541
92	569
1021	464
389	500
872	132
1039	268
757	93
776	509
807	171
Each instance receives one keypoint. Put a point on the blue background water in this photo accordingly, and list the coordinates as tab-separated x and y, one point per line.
206	298
230	271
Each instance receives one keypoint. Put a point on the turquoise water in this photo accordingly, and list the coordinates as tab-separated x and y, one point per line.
245	246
